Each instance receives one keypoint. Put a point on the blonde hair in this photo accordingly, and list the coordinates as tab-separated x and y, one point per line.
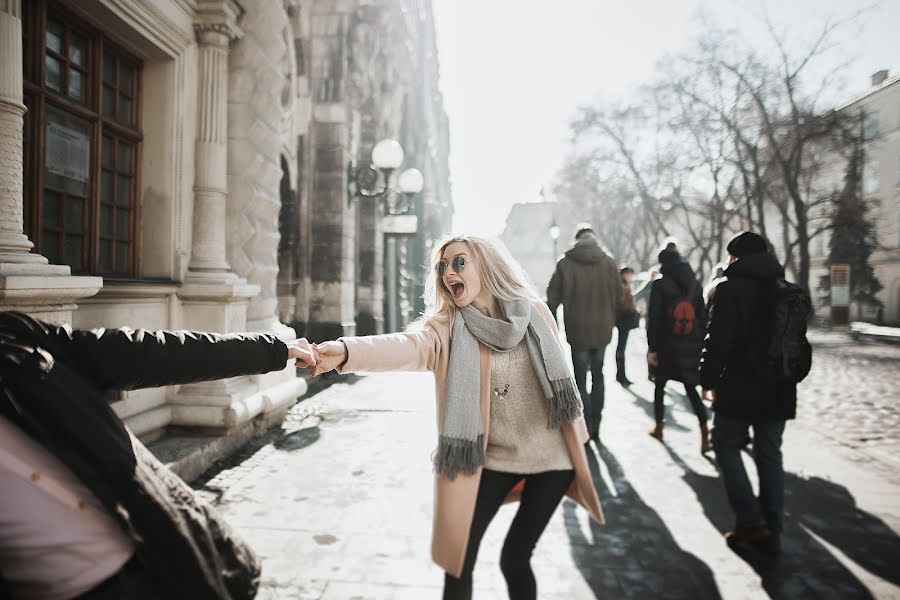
503	277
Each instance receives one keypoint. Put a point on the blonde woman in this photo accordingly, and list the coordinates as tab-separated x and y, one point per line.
509	415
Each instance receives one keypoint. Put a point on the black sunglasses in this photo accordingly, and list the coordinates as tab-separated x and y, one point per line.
458	264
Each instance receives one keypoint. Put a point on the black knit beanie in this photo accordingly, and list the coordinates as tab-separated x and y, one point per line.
746	243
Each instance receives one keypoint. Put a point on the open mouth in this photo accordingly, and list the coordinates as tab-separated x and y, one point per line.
457	289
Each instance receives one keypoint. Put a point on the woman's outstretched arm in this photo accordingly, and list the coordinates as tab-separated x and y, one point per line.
411	351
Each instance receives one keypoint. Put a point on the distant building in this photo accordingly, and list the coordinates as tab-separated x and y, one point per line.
527	237
880	108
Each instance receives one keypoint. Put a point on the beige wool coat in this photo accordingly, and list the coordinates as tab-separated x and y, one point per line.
454	501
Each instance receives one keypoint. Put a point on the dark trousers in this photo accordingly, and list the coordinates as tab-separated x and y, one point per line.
541	495
659	407
620	352
728	438
582	361
131	582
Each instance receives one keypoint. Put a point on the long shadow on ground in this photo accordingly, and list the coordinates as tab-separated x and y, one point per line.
633	555
814	507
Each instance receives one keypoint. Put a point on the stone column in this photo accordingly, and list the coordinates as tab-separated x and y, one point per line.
27	282
332	131
208	262
213	297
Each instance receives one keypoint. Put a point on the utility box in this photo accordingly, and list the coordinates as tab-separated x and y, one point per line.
840	295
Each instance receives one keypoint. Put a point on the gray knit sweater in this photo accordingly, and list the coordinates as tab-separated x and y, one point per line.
519	440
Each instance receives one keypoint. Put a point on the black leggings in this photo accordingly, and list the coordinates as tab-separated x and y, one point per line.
659	409
541	495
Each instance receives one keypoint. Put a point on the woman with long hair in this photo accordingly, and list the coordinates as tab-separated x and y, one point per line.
509	415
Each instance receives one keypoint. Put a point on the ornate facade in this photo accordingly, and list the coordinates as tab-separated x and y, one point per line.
185	164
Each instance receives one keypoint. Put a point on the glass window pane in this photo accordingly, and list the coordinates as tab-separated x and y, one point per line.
123	226
77	49
107	195
109	69
125	154
107	158
106	256
67	152
109	101
50	246
126	79
123	191
54	38
122	265
124	112
106	221
53	74
73	246
76	85
50	209
74	215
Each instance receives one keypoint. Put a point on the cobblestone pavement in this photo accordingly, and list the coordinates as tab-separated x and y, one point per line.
338	503
852	394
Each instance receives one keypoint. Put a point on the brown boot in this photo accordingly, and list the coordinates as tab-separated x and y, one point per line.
657	431
704	438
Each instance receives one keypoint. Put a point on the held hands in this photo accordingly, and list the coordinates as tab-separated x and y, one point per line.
653	359
302	351
710	396
329	356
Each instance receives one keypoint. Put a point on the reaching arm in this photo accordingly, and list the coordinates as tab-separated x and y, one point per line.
129	359
410	351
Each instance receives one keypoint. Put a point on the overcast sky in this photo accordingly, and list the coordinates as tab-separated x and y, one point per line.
514	71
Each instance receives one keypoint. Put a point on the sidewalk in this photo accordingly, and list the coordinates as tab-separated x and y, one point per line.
338	504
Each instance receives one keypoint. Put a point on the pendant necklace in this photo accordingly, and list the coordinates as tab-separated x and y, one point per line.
500	394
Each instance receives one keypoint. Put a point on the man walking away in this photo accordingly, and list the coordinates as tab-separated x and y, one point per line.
751	381
587	284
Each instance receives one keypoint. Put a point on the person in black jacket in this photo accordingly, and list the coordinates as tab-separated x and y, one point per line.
744	390
675	323
63	449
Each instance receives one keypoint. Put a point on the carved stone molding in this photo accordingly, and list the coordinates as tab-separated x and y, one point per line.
216	19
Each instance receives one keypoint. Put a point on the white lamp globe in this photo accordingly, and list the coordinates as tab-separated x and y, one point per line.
387	154
554	231
411	181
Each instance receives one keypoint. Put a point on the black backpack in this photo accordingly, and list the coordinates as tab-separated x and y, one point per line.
790	353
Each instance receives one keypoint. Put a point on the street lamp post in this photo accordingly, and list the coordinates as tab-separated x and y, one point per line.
375	181
554	235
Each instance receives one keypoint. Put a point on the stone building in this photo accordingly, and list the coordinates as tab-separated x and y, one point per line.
188	164
880	109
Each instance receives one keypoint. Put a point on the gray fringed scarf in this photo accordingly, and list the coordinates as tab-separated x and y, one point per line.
461	444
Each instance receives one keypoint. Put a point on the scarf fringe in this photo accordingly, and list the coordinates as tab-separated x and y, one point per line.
454	456
565	405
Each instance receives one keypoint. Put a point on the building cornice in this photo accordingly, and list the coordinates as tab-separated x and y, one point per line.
146	18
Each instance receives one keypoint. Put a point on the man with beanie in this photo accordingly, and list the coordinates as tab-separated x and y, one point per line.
745	391
587	284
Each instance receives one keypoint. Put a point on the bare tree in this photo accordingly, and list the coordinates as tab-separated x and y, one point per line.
727	138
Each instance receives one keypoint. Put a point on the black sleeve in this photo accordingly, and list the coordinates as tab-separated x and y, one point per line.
721	331
554	290
130	359
655	316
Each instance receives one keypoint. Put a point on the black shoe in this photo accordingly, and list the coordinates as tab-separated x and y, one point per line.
623	380
748	535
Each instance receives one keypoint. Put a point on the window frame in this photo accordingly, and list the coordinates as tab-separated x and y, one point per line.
40	98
